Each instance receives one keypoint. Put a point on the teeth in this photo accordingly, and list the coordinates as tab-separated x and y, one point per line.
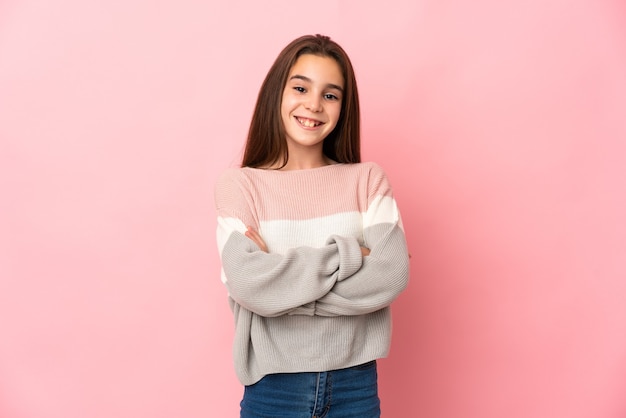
308	123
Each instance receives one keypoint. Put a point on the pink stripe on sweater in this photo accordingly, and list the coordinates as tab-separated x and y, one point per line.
267	195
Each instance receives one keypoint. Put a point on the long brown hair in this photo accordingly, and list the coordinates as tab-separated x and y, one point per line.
266	144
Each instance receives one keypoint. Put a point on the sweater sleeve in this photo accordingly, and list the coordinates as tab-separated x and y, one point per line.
271	284
385	271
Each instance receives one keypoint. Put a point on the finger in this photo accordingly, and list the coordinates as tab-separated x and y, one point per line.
256	237
253	234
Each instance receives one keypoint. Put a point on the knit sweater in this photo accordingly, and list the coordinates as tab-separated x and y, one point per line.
313	302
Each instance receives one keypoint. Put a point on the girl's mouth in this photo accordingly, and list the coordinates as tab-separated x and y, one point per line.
308	123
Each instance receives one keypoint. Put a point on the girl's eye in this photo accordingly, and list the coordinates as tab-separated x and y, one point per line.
329	96
299	89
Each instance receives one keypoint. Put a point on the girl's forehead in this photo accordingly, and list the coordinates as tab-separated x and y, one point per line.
317	68
322	60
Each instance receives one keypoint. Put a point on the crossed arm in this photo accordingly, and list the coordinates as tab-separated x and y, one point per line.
380	279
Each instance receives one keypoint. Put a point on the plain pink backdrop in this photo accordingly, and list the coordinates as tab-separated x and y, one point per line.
501	124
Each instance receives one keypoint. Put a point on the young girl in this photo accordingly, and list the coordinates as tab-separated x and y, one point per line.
312	246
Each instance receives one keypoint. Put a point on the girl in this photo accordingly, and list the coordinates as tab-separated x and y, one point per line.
312	246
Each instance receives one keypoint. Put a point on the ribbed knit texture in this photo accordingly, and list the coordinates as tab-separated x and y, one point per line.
313	302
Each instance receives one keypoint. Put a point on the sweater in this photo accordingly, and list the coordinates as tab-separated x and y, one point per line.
313	302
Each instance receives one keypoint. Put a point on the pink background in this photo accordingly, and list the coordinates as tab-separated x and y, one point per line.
500	123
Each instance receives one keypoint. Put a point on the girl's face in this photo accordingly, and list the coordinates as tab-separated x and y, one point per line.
311	102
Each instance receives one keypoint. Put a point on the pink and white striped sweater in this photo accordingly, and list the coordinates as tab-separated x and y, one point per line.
313	302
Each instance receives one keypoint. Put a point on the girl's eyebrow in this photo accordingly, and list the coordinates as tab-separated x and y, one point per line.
308	80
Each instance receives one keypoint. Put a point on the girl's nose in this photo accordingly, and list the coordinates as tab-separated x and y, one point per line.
314	104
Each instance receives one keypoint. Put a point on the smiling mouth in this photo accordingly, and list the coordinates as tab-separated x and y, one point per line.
308	123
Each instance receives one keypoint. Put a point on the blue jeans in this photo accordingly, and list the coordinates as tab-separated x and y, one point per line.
345	393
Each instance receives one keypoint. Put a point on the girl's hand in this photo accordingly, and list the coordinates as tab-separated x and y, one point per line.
365	251
254	236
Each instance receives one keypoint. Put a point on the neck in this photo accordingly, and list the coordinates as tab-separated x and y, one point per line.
299	160
303	165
